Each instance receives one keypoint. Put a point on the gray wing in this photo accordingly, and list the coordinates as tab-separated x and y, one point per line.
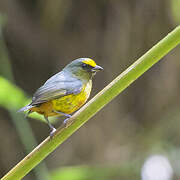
56	87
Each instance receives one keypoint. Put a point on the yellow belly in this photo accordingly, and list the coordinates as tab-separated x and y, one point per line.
67	104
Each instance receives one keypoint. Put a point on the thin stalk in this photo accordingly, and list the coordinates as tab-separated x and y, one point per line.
94	105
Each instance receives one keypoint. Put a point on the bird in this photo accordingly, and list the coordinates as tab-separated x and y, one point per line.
65	92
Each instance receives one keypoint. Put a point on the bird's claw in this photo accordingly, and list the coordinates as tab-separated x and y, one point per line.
66	121
52	132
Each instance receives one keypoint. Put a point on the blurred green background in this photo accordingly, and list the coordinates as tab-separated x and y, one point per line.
137	135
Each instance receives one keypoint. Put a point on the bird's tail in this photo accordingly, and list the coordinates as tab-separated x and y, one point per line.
25	108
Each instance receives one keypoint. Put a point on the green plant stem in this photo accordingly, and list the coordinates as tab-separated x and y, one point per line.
95	104
28	140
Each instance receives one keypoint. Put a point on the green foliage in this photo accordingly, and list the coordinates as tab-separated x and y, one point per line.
95	173
11	97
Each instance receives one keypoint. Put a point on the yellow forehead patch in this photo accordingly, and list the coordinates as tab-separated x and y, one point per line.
89	62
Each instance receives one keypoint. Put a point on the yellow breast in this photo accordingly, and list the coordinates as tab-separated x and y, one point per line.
70	103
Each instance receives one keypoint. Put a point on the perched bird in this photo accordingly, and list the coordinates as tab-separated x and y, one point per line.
65	92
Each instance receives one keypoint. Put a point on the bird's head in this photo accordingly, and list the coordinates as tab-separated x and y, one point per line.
83	68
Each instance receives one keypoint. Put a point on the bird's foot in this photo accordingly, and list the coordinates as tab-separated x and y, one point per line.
67	122
53	130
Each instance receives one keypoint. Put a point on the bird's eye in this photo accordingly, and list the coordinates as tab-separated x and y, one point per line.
84	65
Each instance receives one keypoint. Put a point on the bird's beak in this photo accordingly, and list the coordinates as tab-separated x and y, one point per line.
97	68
